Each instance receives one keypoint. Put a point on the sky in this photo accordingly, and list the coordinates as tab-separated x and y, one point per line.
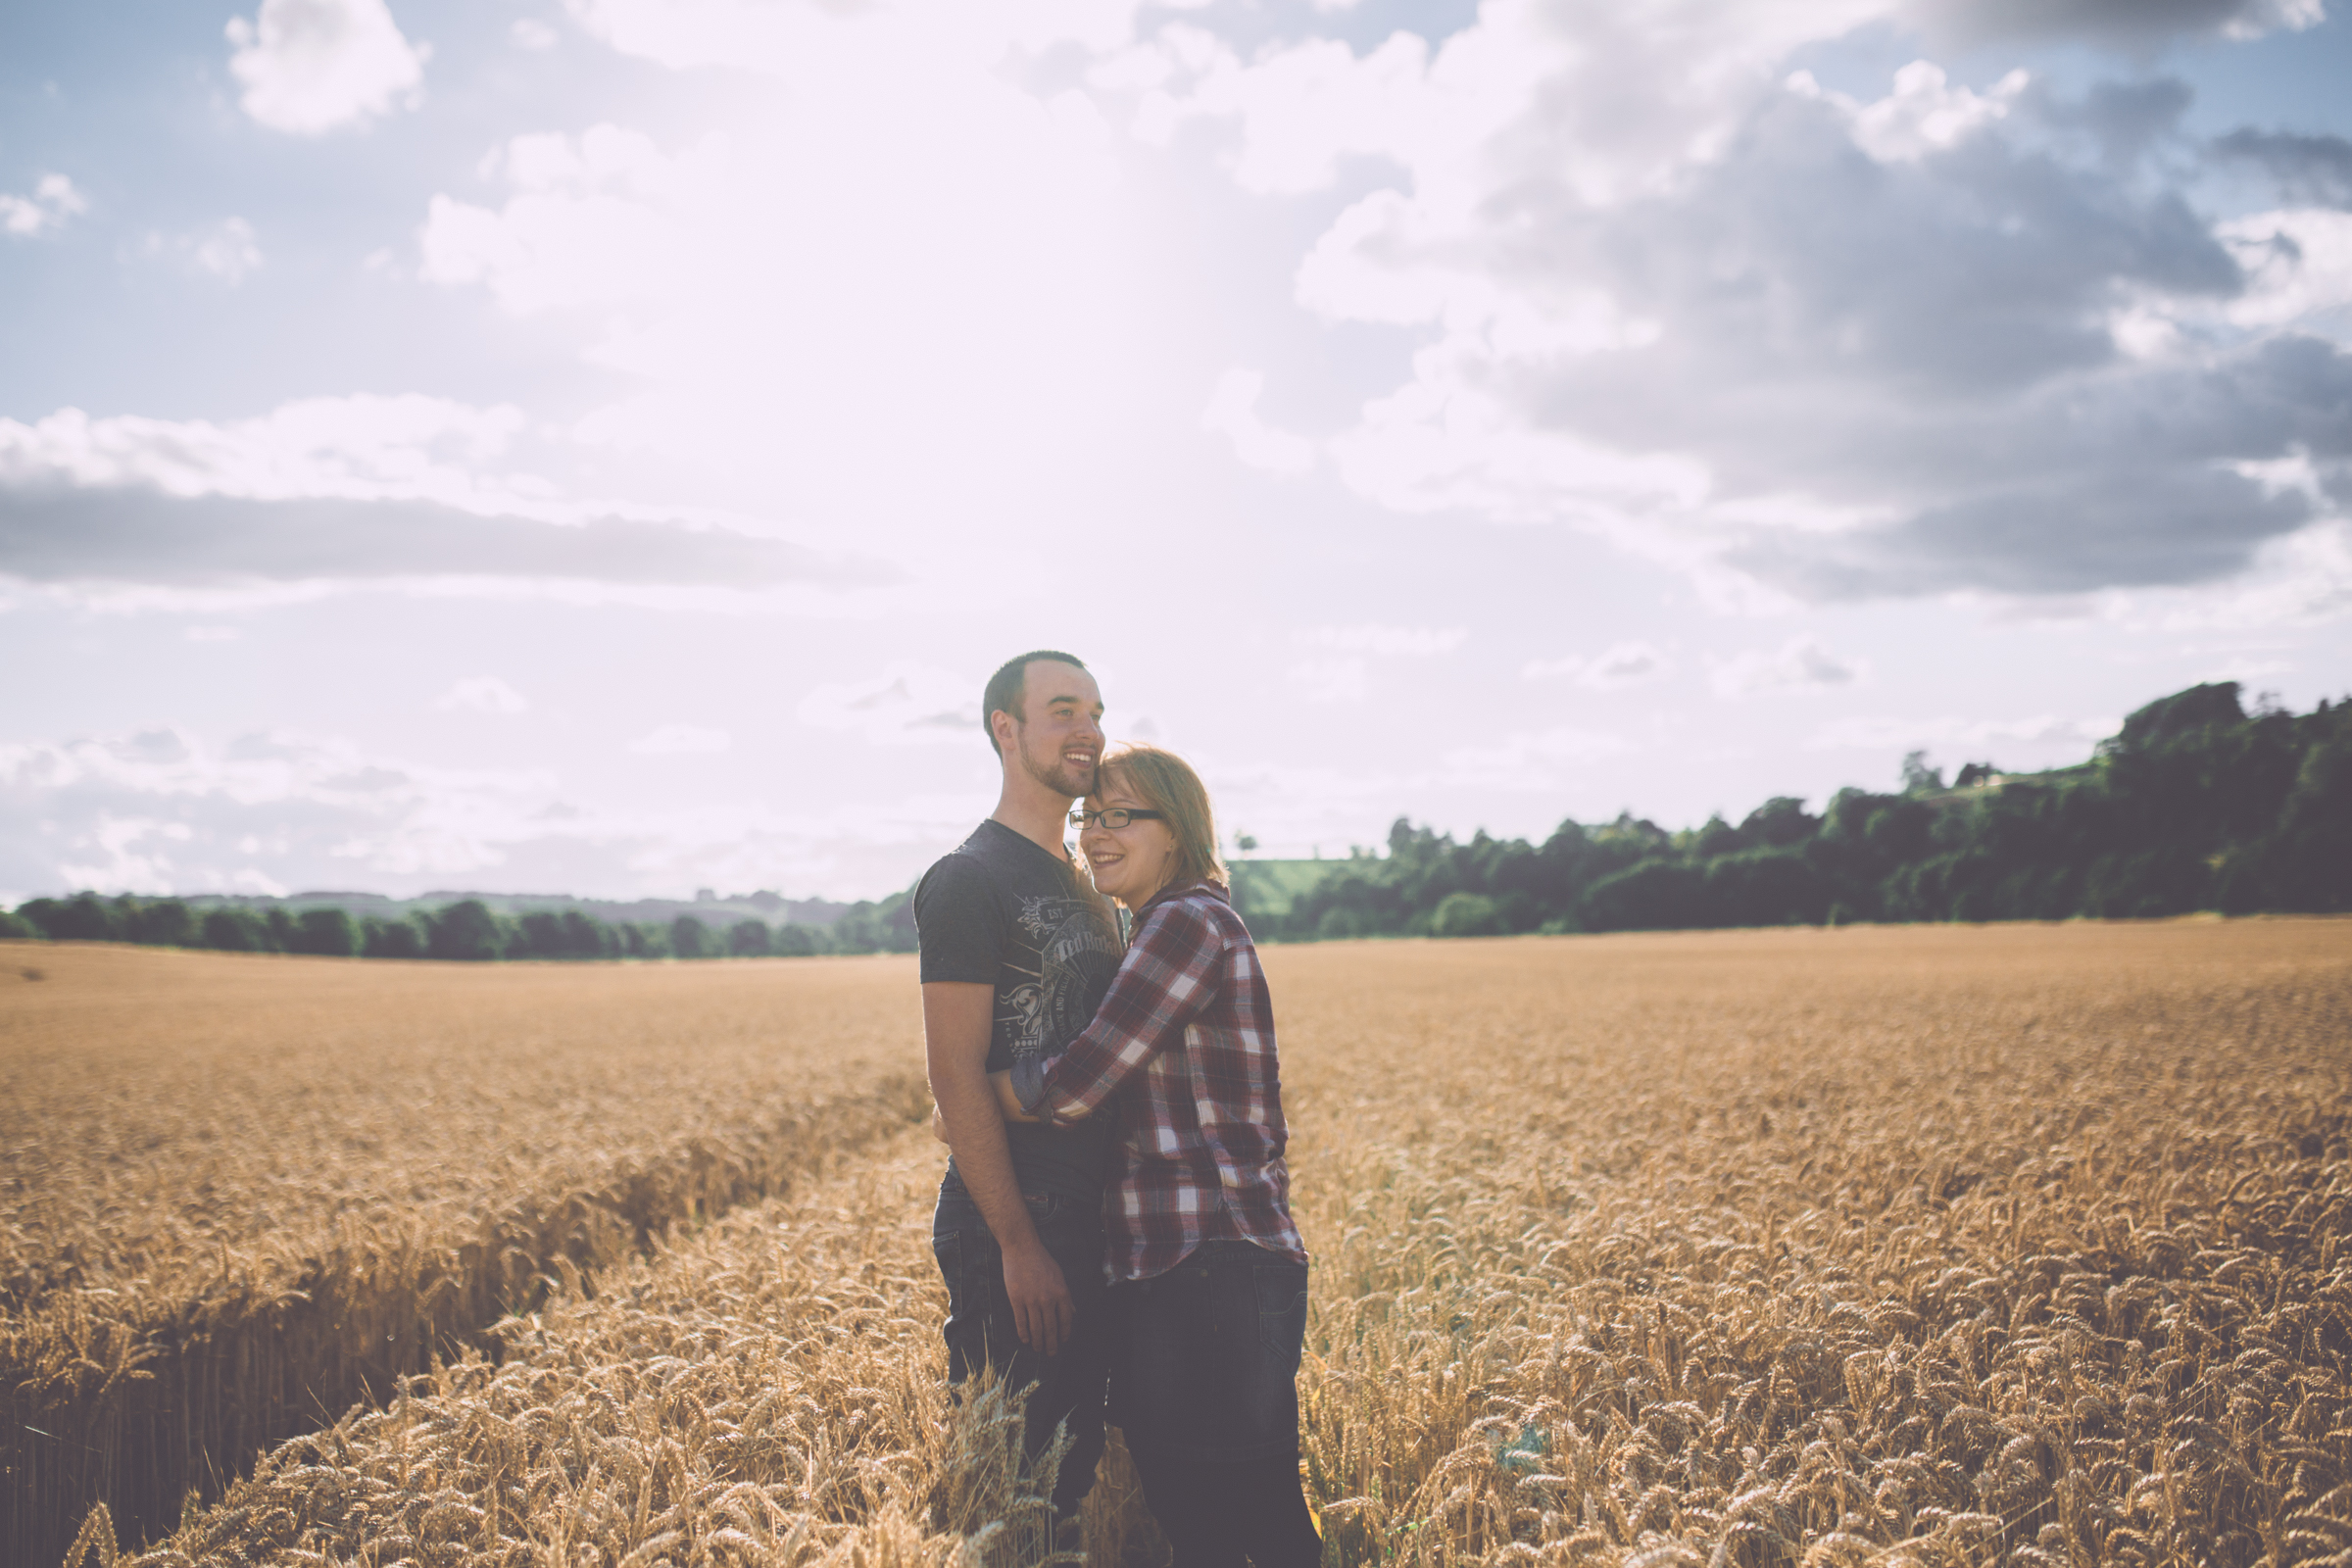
603	447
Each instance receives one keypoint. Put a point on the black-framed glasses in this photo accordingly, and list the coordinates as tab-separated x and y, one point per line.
1117	817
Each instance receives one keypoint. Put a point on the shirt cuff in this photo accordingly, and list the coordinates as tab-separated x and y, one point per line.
1029	1082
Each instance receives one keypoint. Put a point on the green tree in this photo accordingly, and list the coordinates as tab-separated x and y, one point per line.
749	938
466	931
326	933
233	928
1465	915
1918	777
2306	862
162	923
538	934
689	938
84	917
1658	895
584	936
398	938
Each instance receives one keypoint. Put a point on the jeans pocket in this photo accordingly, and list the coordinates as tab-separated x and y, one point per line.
1282	1311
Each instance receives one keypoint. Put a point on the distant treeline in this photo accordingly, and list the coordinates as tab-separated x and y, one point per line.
2194	805
465	930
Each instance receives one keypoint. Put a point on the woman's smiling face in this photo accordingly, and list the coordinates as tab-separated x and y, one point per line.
1133	862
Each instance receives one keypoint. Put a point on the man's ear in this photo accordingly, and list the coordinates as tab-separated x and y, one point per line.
1002	725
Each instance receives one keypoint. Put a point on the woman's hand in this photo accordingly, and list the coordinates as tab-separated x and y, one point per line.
1006	1101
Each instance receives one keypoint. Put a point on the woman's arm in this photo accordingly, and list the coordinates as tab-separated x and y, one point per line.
1169	977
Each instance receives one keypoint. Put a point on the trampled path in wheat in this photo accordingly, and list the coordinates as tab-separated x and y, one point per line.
1934	1244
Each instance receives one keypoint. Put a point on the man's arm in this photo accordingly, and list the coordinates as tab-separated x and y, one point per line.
957	1018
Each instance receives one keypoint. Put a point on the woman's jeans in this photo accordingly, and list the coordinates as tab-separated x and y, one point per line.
1205	1387
981	1333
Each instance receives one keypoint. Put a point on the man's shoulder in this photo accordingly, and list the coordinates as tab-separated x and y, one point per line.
967	870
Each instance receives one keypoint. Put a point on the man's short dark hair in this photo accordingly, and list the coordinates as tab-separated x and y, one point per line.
1008	688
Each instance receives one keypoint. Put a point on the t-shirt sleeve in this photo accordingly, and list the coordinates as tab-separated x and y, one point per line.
958	923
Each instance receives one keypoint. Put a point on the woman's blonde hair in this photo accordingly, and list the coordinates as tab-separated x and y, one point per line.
1167	783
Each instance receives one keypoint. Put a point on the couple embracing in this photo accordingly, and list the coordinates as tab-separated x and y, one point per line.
1114	1225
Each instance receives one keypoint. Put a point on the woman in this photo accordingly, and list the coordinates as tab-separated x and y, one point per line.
1209	1276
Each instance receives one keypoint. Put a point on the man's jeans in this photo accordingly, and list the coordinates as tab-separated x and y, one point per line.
981	1332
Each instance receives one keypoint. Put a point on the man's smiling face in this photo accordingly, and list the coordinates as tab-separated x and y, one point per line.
1059	737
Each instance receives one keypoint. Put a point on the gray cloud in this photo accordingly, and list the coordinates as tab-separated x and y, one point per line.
2316	171
52	533
1969	273
2075	534
1929	340
2133	25
2124	118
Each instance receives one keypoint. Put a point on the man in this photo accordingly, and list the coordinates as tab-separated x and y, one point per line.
1017	952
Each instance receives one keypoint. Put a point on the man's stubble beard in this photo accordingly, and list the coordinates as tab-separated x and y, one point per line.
1055	775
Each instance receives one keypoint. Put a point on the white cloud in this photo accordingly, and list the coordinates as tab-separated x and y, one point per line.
1792	343
1924	113
2302	579
682	740
481	694
1410	642
1801	665
907	703
1873	733
1620	665
329	494
1345	677
360	448
529	33
311	66
166	811
829	285
227	250
1232	413
1330	680
53	201
602	219
1532	760
160	810
2299	270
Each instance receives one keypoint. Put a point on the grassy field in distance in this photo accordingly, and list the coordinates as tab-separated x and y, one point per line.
2014	1244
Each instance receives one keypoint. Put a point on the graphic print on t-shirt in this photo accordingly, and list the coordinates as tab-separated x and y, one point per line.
1075	949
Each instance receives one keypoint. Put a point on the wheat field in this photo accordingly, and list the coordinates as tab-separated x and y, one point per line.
1939	1246
243	1192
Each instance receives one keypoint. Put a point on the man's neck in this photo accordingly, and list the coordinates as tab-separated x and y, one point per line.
1033	810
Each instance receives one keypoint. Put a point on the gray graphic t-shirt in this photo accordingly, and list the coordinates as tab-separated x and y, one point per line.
1002	911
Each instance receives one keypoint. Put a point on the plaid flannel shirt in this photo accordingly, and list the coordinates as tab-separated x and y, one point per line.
1188	1031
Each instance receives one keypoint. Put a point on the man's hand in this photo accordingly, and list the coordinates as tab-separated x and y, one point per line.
1041	1309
